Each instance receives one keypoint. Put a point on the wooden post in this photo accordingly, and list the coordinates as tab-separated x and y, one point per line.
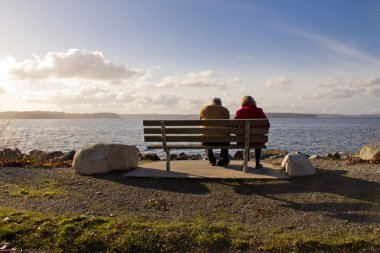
246	145
164	145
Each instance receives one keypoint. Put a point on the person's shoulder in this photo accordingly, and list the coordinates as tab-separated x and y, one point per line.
225	108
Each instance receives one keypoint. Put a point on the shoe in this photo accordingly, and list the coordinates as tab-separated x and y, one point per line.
212	162
220	162
223	162
259	166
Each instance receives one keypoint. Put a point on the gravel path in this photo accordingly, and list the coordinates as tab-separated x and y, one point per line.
338	196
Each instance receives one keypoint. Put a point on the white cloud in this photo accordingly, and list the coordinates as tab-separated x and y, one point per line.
2	91
234	81
333	82
281	83
338	93
338	88
164	99
202	79
373	91
366	81
73	64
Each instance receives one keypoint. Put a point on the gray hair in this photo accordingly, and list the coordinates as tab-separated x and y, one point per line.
217	101
247	100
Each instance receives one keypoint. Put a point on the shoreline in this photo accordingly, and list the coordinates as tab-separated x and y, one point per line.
40	158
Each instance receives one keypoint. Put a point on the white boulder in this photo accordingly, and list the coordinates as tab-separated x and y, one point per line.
297	165
103	158
370	152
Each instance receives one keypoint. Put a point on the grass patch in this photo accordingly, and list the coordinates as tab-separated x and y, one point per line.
41	232
45	188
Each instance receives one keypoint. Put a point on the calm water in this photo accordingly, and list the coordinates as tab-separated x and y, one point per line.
308	135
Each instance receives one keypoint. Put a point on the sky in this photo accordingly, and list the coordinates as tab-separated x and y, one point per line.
174	56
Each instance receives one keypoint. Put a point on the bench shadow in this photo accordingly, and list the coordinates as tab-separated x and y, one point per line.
363	196
165	184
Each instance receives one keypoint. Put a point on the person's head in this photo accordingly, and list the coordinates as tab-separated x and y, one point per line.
247	100
216	101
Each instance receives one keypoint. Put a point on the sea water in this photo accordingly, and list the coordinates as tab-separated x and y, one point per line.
307	135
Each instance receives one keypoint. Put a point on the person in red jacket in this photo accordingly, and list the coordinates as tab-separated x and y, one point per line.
249	110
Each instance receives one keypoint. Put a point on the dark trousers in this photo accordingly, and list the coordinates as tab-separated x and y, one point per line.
211	157
210	153
257	155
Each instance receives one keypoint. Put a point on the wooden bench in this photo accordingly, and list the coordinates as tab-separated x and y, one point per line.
190	134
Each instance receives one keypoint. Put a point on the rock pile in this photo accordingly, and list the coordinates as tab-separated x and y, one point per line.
14	157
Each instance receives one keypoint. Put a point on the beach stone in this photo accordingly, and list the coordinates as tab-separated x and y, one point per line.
68	156
277	157
104	158
173	157
151	157
181	156
11	154
266	153
195	157
370	152
296	165
37	154
53	154
335	156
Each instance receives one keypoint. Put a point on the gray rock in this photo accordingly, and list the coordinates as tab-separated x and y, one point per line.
277	157
11	154
173	157
181	156
103	158
53	154
68	156
370	152
195	157
297	165
151	157
335	156
37	154
271	152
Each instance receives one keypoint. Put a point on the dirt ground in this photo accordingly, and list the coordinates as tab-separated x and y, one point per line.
340	197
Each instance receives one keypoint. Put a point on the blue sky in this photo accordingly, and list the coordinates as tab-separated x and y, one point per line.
174	56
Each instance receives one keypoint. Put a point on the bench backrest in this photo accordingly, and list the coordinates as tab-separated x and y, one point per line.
217	130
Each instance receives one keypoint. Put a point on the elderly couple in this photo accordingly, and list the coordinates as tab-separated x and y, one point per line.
215	110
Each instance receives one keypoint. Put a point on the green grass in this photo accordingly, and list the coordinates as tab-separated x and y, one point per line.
43	232
46	188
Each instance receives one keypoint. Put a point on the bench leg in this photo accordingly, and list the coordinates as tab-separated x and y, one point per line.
168	161
245	163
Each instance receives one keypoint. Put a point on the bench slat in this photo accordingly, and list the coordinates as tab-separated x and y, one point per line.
208	122
208	130
205	138
198	146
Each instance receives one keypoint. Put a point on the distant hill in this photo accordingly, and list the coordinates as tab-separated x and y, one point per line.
56	115
269	114
196	116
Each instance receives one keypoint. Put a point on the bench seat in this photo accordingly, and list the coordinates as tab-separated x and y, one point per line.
190	134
